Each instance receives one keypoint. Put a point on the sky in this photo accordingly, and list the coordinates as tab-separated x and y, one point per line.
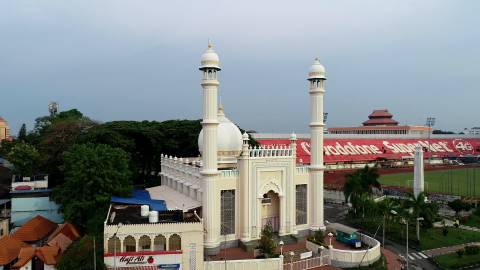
138	60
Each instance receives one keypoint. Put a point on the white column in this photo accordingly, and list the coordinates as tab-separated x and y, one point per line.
243	187
316	78
418	174
209	172
283	216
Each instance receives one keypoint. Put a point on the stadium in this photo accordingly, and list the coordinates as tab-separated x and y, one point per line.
381	142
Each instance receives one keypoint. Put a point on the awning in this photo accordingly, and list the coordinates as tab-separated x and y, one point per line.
174	199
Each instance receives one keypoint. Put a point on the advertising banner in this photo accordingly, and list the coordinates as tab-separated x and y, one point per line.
351	150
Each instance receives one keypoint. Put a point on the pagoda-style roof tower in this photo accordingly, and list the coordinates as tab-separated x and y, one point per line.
380	118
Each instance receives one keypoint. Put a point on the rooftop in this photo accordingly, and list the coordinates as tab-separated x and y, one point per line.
130	214
140	197
35	229
9	249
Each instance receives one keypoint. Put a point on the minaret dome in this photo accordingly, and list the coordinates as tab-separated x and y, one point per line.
317	71
209	59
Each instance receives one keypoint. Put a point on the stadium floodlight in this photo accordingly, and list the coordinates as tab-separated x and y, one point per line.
325	115
430	121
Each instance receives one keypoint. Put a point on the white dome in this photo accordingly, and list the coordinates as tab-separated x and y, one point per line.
210	58
229	139
317	70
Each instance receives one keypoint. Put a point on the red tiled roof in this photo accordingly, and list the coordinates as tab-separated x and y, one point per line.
48	255
25	255
380	113
63	236
380	121
9	249
35	229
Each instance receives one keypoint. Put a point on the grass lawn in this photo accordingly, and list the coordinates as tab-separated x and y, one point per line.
433	238
464	182
452	261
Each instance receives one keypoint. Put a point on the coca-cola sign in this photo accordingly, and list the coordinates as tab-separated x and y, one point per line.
344	150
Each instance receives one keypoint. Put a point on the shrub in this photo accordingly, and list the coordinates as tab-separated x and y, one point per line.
460	252
445	231
472	250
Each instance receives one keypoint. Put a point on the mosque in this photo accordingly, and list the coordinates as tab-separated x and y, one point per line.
238	189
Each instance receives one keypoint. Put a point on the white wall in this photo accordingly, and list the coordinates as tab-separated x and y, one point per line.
258	264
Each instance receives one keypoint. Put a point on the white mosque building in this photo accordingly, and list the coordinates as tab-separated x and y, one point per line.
240	189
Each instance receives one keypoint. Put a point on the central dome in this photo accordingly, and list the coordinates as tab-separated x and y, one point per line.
229	139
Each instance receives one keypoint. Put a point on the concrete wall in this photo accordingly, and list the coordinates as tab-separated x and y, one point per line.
257	264
354	258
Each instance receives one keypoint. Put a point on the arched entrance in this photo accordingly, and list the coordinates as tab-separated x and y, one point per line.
271	210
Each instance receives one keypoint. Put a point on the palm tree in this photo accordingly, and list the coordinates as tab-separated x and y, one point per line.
360	181
386	206
419	206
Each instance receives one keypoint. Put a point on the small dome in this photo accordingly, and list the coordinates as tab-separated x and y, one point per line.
210	59
229	139
317	70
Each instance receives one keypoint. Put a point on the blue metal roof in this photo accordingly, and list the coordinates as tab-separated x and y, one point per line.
141	197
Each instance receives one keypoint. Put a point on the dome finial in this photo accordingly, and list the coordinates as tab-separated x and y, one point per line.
209	44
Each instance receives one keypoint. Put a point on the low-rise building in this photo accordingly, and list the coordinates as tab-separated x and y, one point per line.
31	197
135	236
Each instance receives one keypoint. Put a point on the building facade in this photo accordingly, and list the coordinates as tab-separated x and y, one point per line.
4	130
152	240
382	122
242	188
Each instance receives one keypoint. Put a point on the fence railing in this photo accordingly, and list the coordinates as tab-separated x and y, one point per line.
307	263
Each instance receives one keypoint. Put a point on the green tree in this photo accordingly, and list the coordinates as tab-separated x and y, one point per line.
79	255
459	205
93	173
25	159
267	245
22	134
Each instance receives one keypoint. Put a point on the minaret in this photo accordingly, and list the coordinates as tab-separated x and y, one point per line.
243	187
418	171
316	77
211	219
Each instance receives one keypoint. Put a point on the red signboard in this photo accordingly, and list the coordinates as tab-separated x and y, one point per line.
350	150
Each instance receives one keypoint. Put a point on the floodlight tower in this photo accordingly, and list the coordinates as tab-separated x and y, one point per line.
430	123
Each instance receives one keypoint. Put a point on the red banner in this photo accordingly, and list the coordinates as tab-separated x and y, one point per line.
349	150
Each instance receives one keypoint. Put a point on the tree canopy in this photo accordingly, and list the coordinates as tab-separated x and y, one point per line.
24	158
93	173
79	255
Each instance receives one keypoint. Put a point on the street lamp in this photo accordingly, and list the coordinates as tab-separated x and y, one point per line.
291	259
119	225
281	247
418	227
321	252
330	234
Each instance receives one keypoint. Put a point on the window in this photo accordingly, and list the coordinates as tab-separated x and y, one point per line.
160	243
301	204
227	212
129	244
112	242
144	243
175	242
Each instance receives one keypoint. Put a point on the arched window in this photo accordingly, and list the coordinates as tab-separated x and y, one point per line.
160	243
174	242
112	242
144	243
129	244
